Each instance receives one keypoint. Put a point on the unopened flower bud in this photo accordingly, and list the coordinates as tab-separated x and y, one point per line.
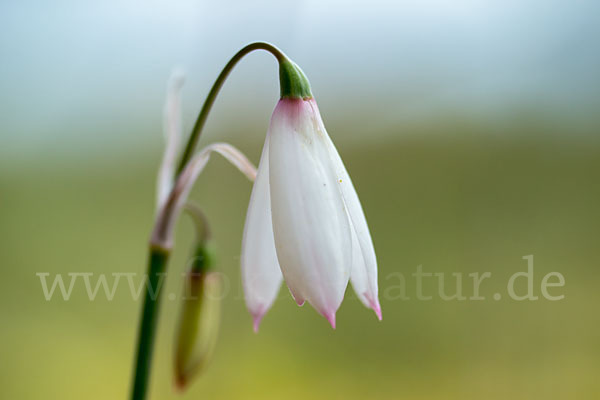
198	323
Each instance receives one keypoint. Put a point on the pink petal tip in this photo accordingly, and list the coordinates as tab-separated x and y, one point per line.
256	318
299	300
330	316
378	312
374	303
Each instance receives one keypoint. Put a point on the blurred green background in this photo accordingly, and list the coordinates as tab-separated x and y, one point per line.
470	130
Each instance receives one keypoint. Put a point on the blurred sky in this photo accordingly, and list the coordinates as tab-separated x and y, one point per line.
76	73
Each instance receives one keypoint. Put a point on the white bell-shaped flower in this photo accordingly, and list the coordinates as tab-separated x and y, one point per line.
305	217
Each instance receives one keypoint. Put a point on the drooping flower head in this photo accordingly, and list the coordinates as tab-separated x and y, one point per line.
304	223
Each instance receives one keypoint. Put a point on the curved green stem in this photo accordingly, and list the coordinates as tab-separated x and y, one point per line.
212	95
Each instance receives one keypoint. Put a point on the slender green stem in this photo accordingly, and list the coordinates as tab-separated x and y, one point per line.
147	331
212	95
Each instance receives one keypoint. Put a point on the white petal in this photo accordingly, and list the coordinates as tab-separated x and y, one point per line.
261	275
364	262
310	223
361	277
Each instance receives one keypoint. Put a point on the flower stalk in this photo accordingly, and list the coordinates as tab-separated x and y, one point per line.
146	336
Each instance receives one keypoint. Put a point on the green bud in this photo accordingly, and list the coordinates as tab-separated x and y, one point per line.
198	325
